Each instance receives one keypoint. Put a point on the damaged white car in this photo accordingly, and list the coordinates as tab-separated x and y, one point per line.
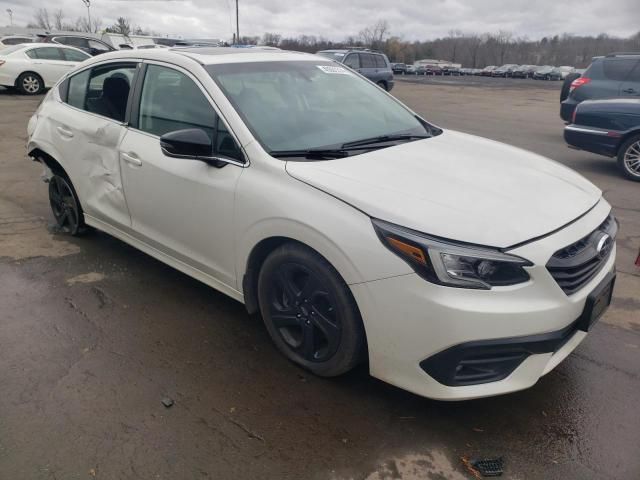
457	266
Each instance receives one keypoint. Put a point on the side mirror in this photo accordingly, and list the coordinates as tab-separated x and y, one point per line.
191	144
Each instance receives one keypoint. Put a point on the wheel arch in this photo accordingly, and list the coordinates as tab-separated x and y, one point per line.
39	155
31	72
255	257
626	137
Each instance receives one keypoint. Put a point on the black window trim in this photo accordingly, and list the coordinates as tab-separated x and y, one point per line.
136	98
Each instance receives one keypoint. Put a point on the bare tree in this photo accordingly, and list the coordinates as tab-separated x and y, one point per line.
455	37
373	36
271	39
58	19
42	20
503	42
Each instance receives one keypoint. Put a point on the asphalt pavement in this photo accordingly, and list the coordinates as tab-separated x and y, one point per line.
94	335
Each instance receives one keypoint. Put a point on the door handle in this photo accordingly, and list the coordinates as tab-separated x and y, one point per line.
630	90
132	159
65	132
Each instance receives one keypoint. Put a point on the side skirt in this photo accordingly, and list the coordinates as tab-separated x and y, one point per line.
164	257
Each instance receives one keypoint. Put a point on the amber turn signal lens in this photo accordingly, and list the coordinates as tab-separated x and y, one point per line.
414	252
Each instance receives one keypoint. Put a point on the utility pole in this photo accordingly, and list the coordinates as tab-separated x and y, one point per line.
10	12
88	5
237	24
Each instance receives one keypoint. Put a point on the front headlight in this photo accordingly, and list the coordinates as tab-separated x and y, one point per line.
453	264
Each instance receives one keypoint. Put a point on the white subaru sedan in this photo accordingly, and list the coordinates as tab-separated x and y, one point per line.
33	67
458	267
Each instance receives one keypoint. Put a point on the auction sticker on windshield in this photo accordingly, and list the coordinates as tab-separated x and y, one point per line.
331	69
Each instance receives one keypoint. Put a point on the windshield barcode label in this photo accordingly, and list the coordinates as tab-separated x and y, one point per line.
330	69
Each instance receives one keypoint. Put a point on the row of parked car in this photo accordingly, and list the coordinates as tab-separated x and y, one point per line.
545	72
601	108
108	42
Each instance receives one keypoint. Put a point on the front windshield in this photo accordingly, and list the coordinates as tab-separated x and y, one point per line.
305	105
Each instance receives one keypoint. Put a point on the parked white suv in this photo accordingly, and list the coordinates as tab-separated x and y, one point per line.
461	267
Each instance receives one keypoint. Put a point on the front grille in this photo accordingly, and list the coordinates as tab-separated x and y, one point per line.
574	265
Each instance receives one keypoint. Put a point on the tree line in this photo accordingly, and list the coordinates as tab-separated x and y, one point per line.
469	49
57	20
473	50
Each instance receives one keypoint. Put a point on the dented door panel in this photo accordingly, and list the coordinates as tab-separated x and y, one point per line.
89	145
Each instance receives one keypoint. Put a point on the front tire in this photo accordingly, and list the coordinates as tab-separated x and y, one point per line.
629	158
309	311
30	83
65	205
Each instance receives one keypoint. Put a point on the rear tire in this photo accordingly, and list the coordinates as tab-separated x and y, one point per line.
309	311
30	83
566	85
382	85
629	158
65	205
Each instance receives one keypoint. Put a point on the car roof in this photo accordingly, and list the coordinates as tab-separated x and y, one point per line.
345	50
209	55
24	46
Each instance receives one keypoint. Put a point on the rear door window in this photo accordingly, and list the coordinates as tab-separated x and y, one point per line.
77	92
367	60
380	63
108	91
74	55
618	69
634	76
103	90
45	53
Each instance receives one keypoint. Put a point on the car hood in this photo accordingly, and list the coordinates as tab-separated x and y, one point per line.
457	186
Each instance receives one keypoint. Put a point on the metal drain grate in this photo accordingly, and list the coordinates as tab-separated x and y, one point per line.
489	467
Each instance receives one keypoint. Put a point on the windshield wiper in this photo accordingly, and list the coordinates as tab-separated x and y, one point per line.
314	153
383	139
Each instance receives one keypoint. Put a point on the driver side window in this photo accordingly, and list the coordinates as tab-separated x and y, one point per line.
352	61
171	101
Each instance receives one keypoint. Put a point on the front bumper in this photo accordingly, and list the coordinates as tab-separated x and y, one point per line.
409	320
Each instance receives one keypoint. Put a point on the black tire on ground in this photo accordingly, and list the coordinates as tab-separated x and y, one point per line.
30	83
566	85
382	85
629	158
309	311
65	205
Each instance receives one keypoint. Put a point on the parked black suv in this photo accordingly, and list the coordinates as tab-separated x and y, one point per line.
88	44
399	68
616	75
368	63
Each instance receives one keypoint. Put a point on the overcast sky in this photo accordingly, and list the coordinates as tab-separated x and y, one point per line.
335	19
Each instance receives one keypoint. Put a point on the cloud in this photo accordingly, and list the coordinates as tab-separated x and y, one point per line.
336	19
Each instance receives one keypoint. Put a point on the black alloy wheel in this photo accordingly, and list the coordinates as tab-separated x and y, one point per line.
309	311
304	313
65	206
